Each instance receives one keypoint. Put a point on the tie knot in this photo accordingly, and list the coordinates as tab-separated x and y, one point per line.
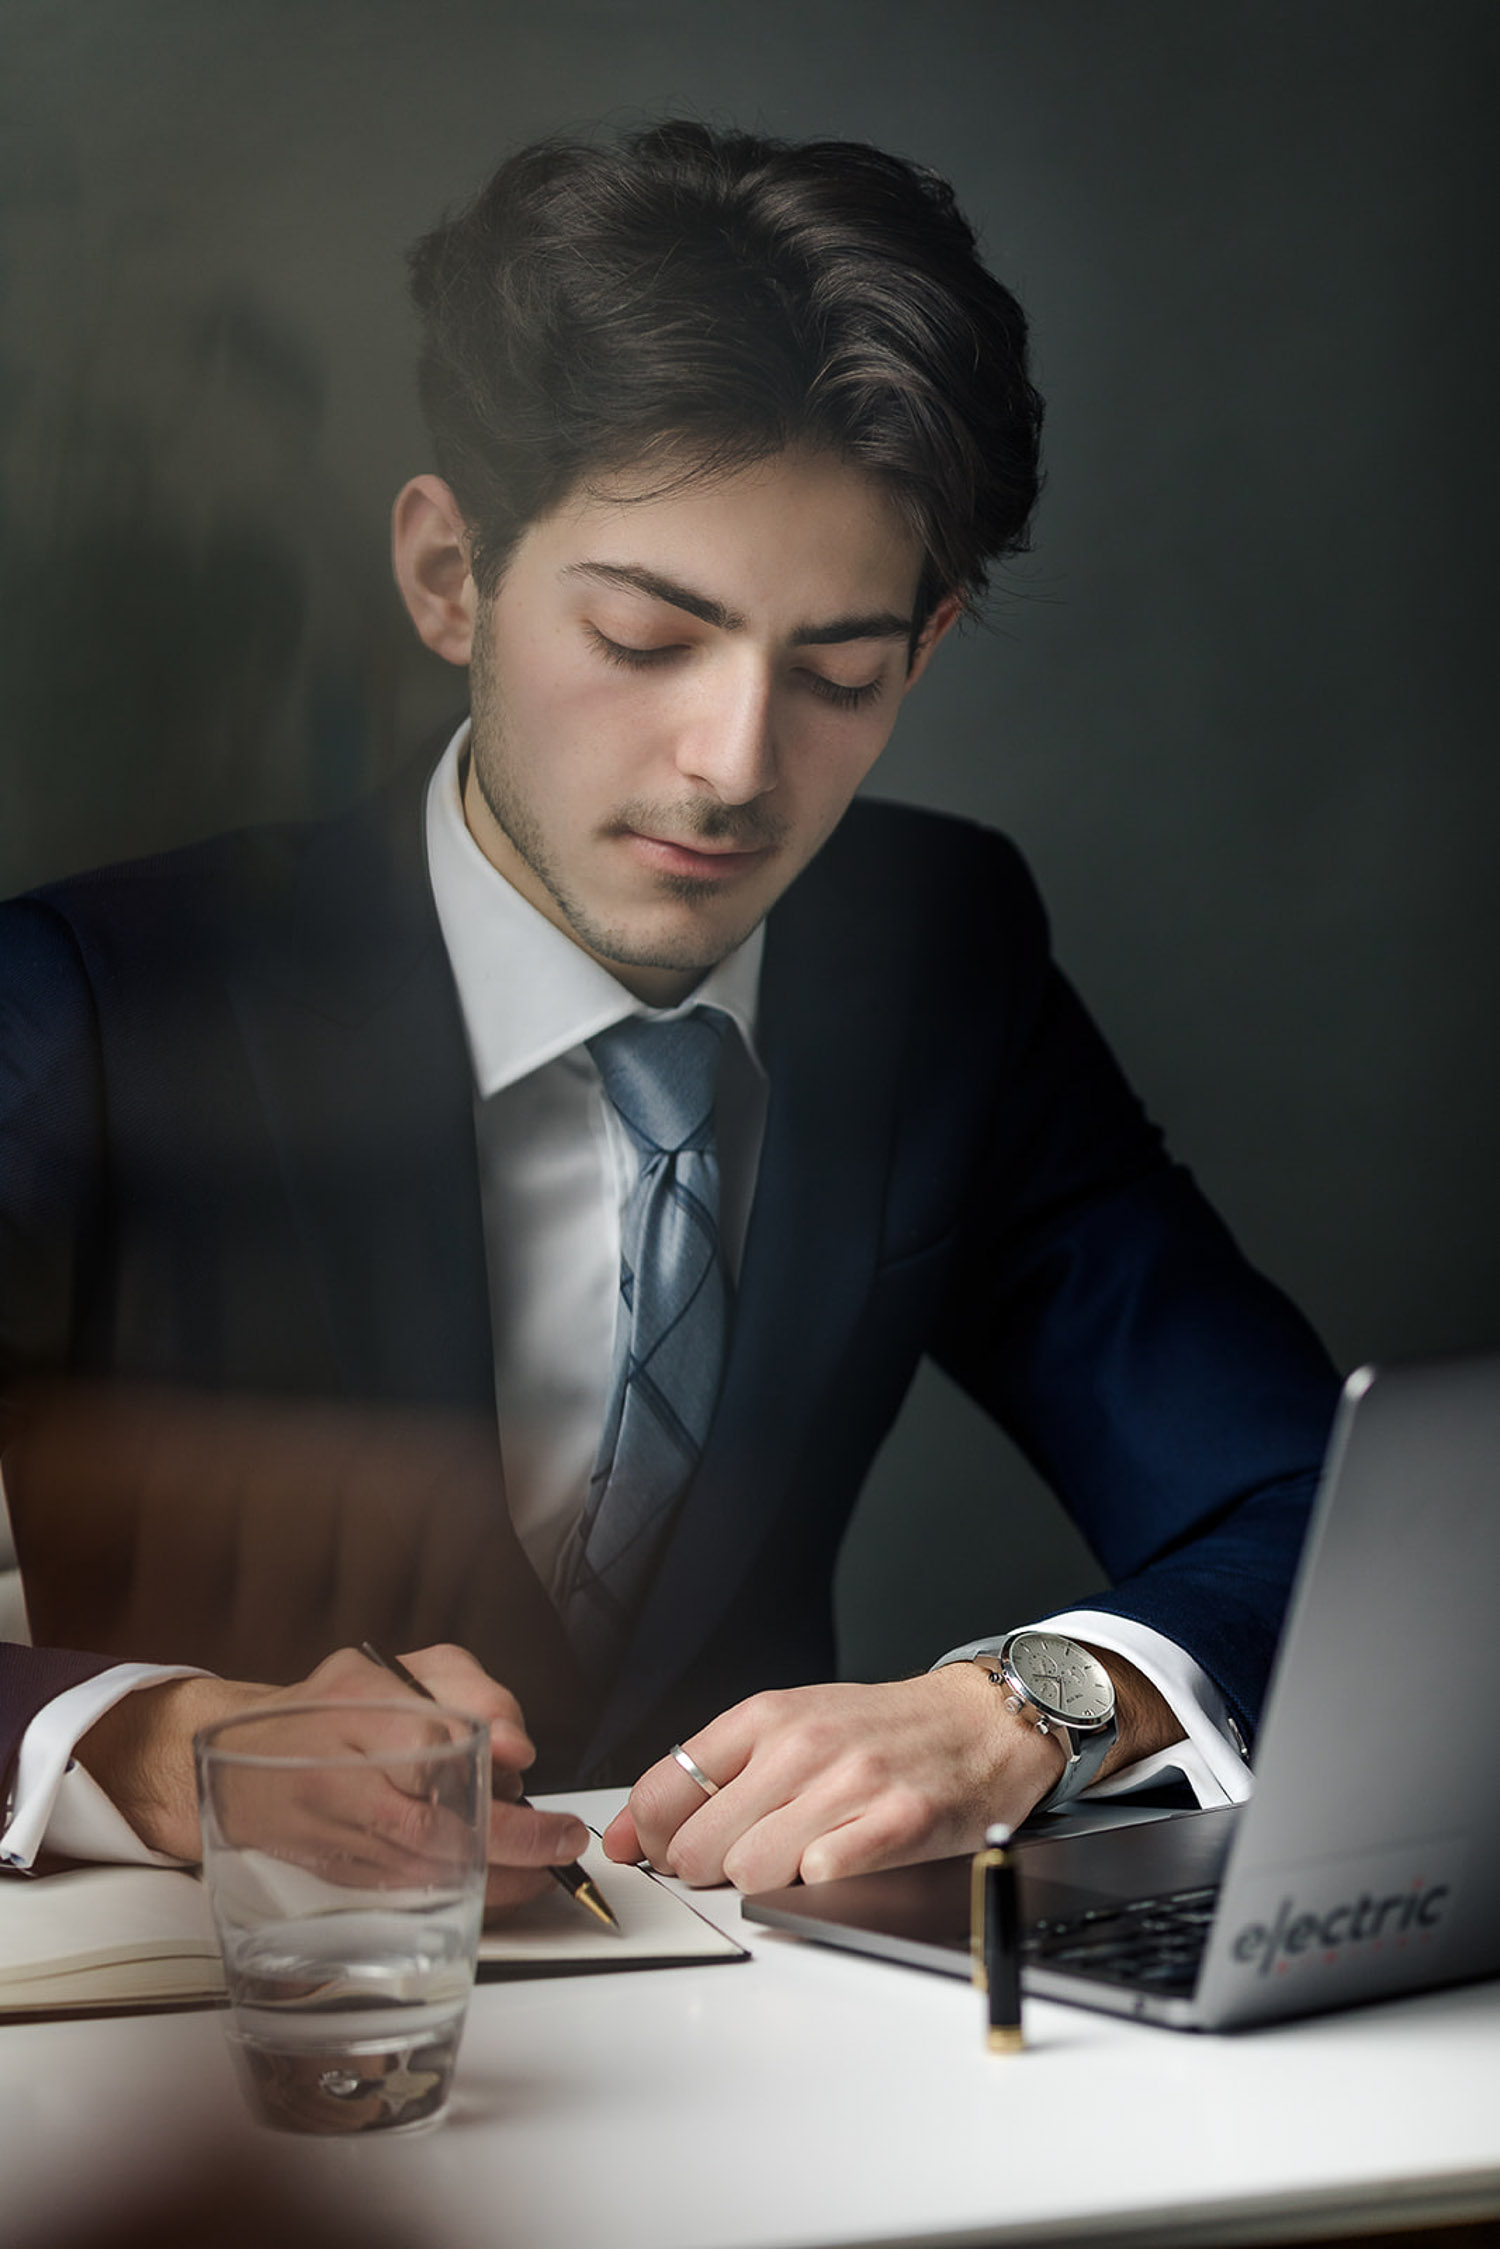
661	1077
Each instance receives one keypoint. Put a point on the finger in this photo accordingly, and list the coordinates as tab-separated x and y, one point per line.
399	1744
661	1803
896	1832
453	1677
522	1836
666	1797
348	1675
777	1759
431	1840
764	1847
621	1841
838	1826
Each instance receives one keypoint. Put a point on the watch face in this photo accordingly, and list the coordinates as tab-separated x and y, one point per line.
1063	1677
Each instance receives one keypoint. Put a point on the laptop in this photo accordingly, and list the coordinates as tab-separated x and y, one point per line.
1364	1864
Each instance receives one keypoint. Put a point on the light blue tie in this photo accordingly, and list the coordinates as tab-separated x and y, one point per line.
670	1324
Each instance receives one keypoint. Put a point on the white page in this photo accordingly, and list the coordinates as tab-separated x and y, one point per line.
555	1931
105	1935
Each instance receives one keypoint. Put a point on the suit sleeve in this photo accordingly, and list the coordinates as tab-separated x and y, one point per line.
1100	1310
50	1110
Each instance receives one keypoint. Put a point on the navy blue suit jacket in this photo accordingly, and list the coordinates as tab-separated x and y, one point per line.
237	1163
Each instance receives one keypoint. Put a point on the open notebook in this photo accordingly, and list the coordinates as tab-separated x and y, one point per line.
102	1939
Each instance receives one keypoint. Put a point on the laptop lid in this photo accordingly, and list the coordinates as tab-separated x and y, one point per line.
1364	1862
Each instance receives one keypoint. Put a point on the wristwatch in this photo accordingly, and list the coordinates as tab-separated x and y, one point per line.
1062	1690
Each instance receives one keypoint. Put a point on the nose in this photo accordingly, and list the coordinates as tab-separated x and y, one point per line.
727	741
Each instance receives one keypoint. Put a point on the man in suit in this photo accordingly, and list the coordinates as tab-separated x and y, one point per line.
321	1146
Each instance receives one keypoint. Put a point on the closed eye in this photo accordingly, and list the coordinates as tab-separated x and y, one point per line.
843	698
630	659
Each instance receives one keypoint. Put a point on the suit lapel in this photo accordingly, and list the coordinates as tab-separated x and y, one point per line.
828	996
352	1025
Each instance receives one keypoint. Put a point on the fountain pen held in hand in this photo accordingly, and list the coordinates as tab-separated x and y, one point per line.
572	1878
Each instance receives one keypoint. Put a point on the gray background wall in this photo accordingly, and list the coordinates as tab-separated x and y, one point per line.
1235	707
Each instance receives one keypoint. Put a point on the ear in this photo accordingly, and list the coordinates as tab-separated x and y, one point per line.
430	556
943	618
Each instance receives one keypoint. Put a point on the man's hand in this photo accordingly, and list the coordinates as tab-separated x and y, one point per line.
826	1781
141	1754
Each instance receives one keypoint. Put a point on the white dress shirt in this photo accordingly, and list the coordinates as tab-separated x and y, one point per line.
556	1164
555	1169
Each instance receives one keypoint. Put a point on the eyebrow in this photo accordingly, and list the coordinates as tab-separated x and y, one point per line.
875	624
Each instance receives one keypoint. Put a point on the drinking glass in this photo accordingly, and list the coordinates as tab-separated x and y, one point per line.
344	1853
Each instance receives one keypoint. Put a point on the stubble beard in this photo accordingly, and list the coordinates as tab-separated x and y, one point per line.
746	827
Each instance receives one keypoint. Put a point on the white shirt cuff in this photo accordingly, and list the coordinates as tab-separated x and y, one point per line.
57	1805
1210	1759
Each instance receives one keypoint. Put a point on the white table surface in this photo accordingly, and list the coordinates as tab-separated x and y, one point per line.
810	2097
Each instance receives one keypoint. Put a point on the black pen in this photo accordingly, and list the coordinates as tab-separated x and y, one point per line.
995	1939
578	1885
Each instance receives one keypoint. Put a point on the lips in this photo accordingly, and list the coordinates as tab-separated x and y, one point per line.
707	862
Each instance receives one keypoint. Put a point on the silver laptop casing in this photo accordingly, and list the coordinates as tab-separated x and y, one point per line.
1364	1864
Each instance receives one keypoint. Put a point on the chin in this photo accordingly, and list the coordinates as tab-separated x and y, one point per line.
686	952
680	960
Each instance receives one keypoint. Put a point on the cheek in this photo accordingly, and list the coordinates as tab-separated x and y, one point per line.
561	701
536	680
829	765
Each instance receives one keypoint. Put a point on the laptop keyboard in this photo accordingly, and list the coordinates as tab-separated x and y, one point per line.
1154	1944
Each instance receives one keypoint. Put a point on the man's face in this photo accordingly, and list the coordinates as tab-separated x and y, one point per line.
675	698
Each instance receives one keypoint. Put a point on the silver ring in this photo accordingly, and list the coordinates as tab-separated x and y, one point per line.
694	1772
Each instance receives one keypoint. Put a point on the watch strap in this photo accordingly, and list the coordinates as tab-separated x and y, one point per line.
1088	1754
1085	1750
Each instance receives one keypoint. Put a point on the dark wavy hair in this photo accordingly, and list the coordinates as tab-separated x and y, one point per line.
686	302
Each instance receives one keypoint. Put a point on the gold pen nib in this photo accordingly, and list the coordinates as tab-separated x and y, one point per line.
588	1894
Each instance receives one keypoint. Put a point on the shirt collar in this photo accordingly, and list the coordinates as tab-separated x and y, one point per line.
527	992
